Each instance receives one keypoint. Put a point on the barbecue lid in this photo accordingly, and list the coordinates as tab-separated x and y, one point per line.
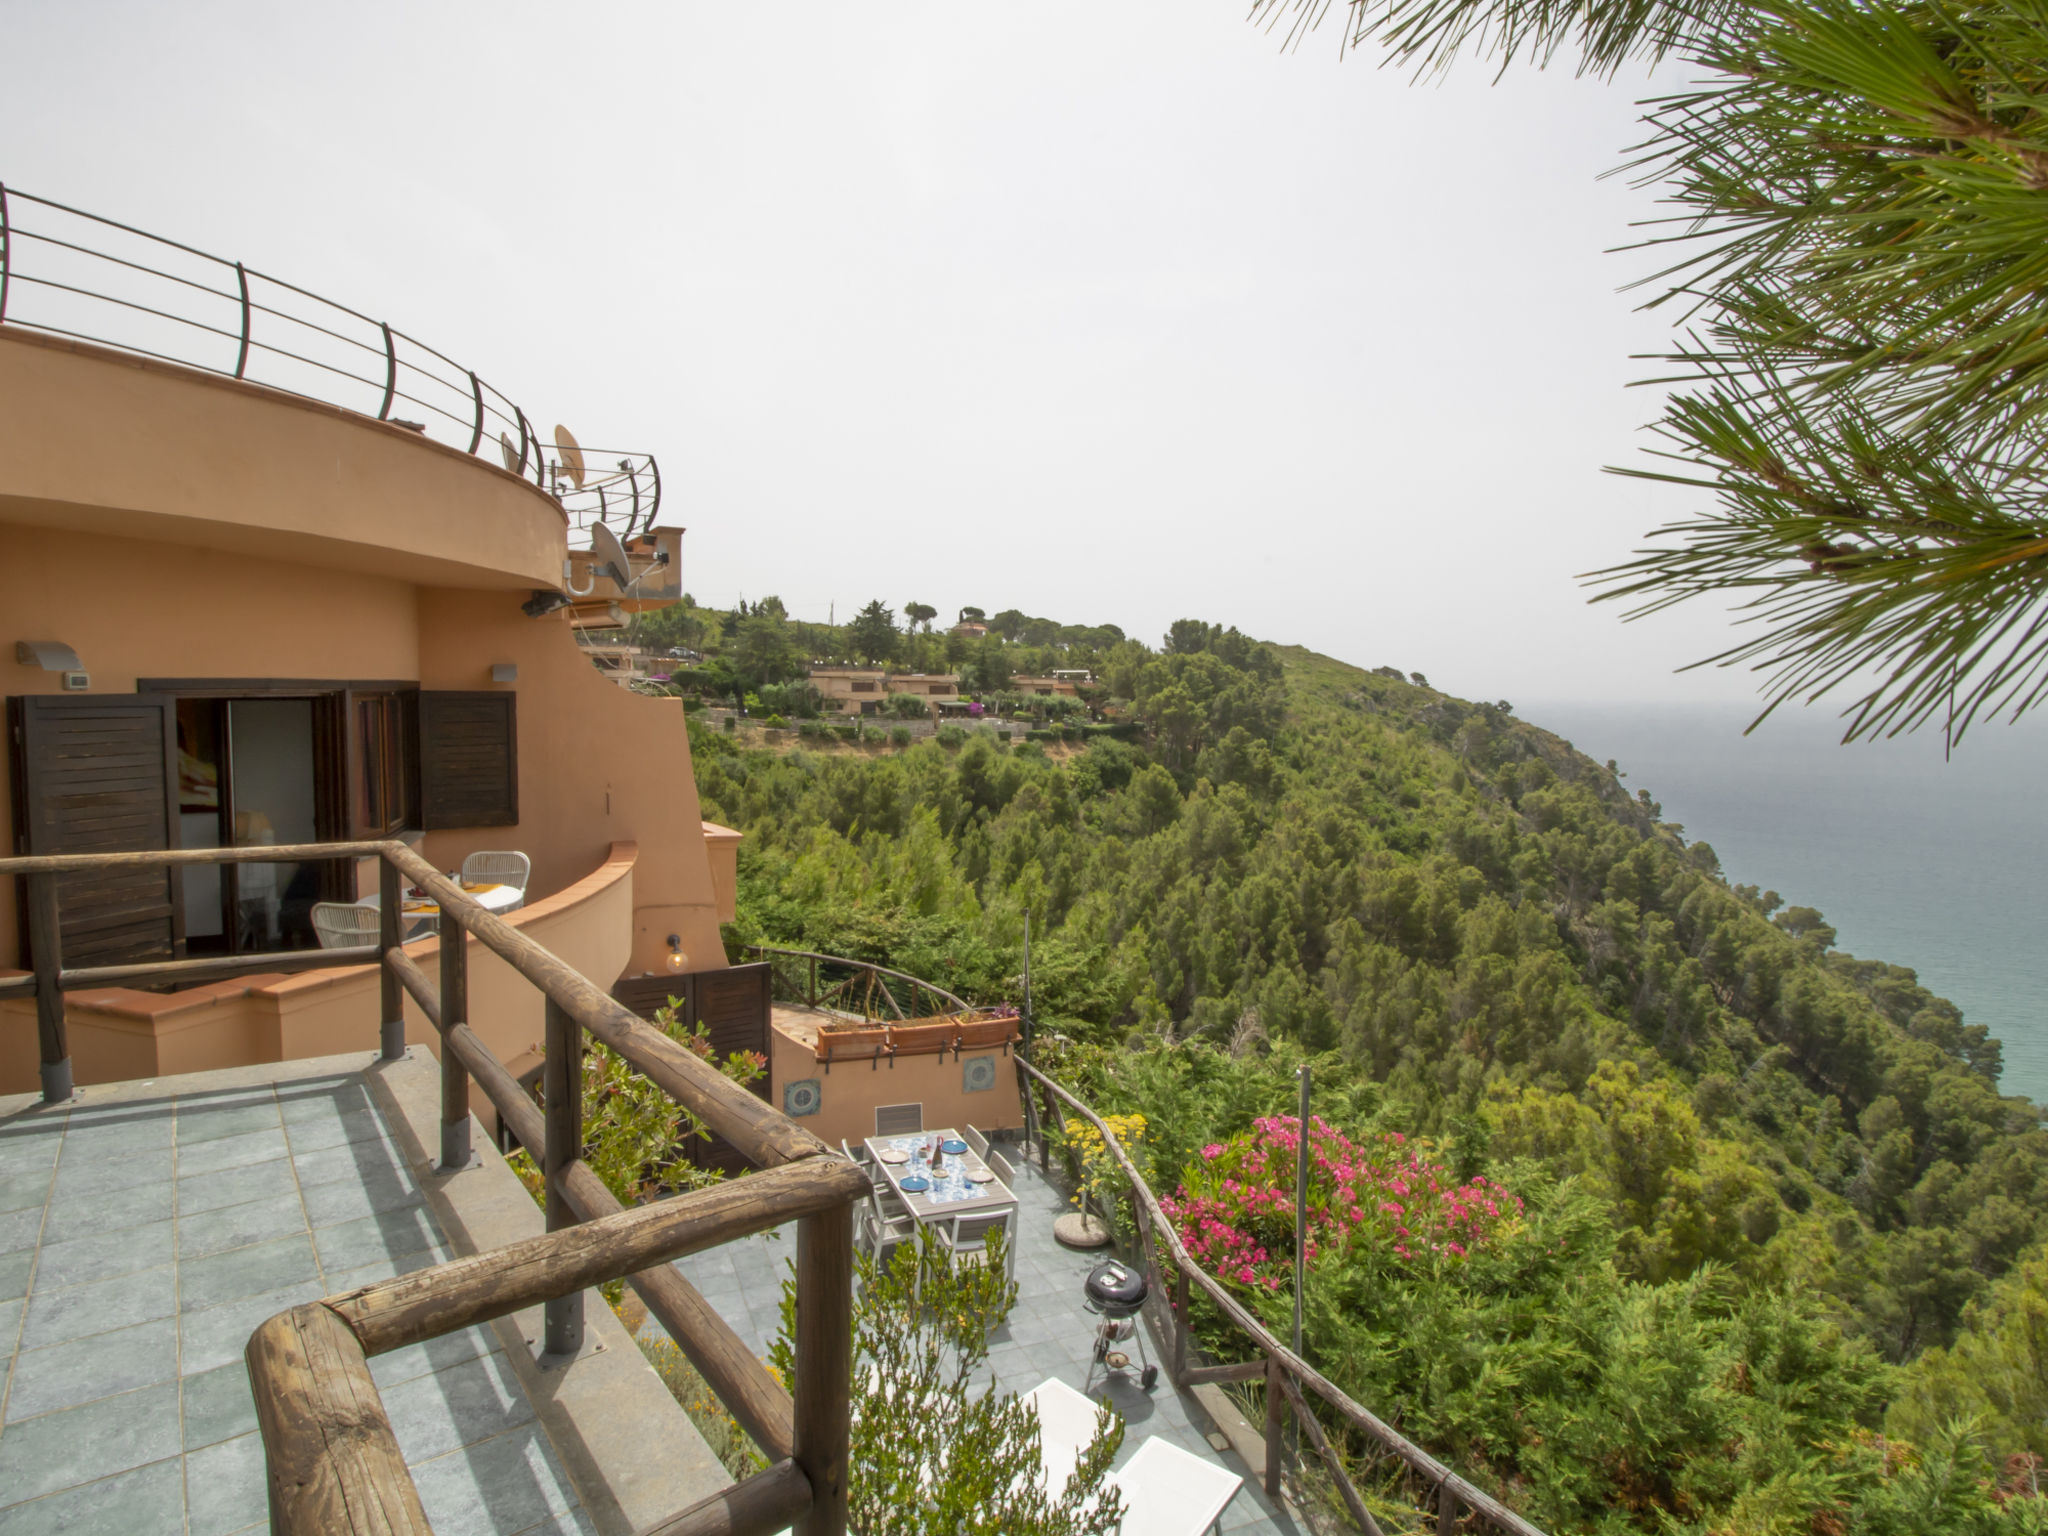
1111	1284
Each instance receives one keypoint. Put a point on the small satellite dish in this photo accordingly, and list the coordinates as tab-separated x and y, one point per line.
505	448
611	556
572	455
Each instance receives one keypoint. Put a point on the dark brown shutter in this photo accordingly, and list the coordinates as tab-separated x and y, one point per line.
95	775
469	760
735	1008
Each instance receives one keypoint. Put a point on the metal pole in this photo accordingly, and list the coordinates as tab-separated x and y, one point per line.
390	936
454	1080
46	957
1027	978
1301	1211
562	1070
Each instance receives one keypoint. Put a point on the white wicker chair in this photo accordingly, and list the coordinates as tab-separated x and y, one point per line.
345	924
966	1239
977	1141
899	1119
499	866
879	1231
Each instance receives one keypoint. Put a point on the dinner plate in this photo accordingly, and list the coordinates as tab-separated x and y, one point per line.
893	1155
952	1148
916	1184
981	1176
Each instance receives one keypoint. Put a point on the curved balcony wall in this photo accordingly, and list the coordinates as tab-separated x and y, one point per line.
118	1035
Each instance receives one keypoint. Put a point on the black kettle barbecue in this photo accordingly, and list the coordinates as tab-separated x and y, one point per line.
1117	1293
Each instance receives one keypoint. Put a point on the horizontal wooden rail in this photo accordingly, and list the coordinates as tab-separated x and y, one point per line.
334	1464
167	972
179	858
767	1501
390	1314
1432	1471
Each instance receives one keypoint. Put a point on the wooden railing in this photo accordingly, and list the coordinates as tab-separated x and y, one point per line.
1284	1373
857	987
334	1464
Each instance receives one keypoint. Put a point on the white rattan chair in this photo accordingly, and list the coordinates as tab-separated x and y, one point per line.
1002	1168
499	866
879	1231
977	1141
345	924
966	1238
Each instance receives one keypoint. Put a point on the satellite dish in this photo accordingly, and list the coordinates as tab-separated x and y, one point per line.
611	556
505	448
572	455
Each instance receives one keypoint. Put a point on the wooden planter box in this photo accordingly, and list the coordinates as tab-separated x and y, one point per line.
852	1044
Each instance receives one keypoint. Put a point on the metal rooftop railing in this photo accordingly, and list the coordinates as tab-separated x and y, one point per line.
65	272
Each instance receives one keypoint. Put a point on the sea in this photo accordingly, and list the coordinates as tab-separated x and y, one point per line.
1924	858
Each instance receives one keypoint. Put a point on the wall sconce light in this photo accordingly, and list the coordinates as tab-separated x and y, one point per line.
50	655
678	962
504	672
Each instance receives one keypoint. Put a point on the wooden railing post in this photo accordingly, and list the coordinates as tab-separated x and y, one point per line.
824	1365
1273	1437
46	958
1446	1510
390	936
454	1011
812	998
562	1079
1180	1325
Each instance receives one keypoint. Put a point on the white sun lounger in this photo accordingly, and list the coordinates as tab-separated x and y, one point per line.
1167	1491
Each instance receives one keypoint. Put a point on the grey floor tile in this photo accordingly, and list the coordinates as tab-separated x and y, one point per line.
56	1316
211	1122
29	1146
104	1255
338	1280
20	1229
344	1162
424	1359
224	1487
218	1335
469	1401
511	1483
238	1226
352	1244
19	1191
95	1171
575	1523
367	1274
231	1152
83	1444
329	1205
123	1128
235	1186
14	1272
81	1213
10	1326
217	1405
150	1498
267	1266
64	1375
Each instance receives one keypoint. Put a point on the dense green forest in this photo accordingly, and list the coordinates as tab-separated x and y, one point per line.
1768	1250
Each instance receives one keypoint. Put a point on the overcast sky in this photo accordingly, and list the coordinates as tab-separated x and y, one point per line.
1110	313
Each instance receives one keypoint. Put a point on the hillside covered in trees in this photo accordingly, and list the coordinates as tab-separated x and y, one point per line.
1767	1250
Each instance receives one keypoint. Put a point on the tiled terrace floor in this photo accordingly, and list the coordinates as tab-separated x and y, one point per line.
1050	1333
142	1241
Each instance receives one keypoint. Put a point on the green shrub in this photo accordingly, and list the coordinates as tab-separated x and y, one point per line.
951	736
732	723
847	732
900	736
776	723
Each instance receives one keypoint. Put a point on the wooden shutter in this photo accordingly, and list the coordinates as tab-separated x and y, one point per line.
735	1008
469	760
95	775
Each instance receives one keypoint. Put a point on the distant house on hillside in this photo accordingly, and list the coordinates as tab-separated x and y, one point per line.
1058	685
862	690
971	628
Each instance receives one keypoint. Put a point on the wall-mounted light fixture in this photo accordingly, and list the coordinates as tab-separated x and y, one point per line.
50	655
504	672
678	962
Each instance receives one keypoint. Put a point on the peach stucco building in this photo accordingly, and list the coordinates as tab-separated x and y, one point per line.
238	614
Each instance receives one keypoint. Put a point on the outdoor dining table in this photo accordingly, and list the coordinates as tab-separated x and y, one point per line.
957	1192
420	913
